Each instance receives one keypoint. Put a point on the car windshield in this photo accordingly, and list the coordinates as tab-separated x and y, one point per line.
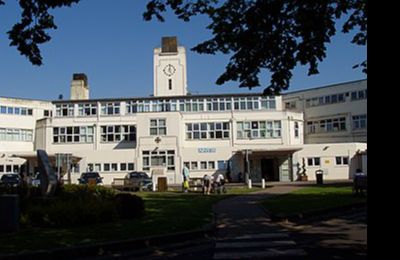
90	175
137	175
9	177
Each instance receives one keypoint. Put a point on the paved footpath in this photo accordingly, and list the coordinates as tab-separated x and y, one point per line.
244	230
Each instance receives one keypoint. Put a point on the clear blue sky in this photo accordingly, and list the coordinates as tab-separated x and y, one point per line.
109	42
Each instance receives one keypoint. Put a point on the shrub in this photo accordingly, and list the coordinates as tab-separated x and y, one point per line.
129	205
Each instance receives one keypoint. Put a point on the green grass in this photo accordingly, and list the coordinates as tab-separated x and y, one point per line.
312	199
165	213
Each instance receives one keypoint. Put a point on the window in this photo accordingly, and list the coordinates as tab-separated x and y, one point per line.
211	165
122	166
131	166
290	105
110	108
222	165
314	161
106	167
46	112
193	165
8	168
118	133
1	168
203	165
259	129
342	160
89	109
213	130
73	134
357	95
64	110
15	168
159	158
359	122
296	129
327	125
114	167
20	135
158	127
97	167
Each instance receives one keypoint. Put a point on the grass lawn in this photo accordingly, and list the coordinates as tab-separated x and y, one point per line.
311	199
165	213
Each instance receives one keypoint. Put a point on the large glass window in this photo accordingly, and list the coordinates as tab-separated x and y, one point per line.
64	110
213	130
359	122
327	125
158	127
259	129
314	161
118	133
159	158
342	160
110	108
89	109
73	134
12	134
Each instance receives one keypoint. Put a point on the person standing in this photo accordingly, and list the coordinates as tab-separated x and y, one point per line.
186	177
206	184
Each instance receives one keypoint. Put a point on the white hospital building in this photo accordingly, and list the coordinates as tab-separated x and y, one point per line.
271	137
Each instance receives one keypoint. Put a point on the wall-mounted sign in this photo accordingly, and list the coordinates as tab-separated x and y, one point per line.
206	150
327	161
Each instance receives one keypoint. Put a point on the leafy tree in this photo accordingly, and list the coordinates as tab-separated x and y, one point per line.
275	35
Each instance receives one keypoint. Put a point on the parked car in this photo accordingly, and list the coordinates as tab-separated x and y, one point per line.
9	180
89	177
134	181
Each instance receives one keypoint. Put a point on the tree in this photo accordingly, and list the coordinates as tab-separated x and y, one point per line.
269	34
273	35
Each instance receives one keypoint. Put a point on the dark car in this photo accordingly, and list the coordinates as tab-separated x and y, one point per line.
139	181
10	180
91	178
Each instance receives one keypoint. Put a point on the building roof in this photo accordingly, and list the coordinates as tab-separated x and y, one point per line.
326	86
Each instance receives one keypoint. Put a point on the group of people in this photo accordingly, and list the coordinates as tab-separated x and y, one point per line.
209	183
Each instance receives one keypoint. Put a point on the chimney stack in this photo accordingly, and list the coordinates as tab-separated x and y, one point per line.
79	86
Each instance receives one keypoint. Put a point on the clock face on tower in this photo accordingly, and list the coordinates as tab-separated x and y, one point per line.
169	70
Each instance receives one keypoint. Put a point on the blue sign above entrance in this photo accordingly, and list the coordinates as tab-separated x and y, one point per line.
206	150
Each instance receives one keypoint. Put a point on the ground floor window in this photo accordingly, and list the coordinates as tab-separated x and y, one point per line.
342	160
158	158
314	161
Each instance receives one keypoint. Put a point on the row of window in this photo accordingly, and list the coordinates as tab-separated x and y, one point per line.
214	130
117	133
13	134
110	167
336	124
316	161
184	105
259	129
23	111
9	168
334	98
73	134
206	165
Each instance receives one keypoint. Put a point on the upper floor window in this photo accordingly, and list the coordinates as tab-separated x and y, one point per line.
290	105
214	130
13	134
73	134
359	122
219	104
117	133
89	109
357	95
23	111
158	127
327	125
158	158
64	110
110	108
259	129
296	129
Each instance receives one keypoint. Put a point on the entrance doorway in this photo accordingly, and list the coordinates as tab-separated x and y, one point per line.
267	169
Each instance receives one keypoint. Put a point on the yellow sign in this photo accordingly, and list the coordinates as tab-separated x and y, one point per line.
327	161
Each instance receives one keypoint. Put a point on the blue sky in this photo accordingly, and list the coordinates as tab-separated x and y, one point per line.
109	42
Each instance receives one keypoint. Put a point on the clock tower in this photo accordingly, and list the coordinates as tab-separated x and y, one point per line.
170	69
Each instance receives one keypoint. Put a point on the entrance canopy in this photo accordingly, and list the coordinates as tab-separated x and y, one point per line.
32	157
270	150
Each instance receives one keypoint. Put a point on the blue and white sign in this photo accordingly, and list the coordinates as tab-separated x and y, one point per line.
206	150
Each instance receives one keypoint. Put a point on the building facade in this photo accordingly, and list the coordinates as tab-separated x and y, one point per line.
240	135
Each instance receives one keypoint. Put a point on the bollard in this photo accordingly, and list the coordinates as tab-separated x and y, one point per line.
154	186
9	212
263	183
249	183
